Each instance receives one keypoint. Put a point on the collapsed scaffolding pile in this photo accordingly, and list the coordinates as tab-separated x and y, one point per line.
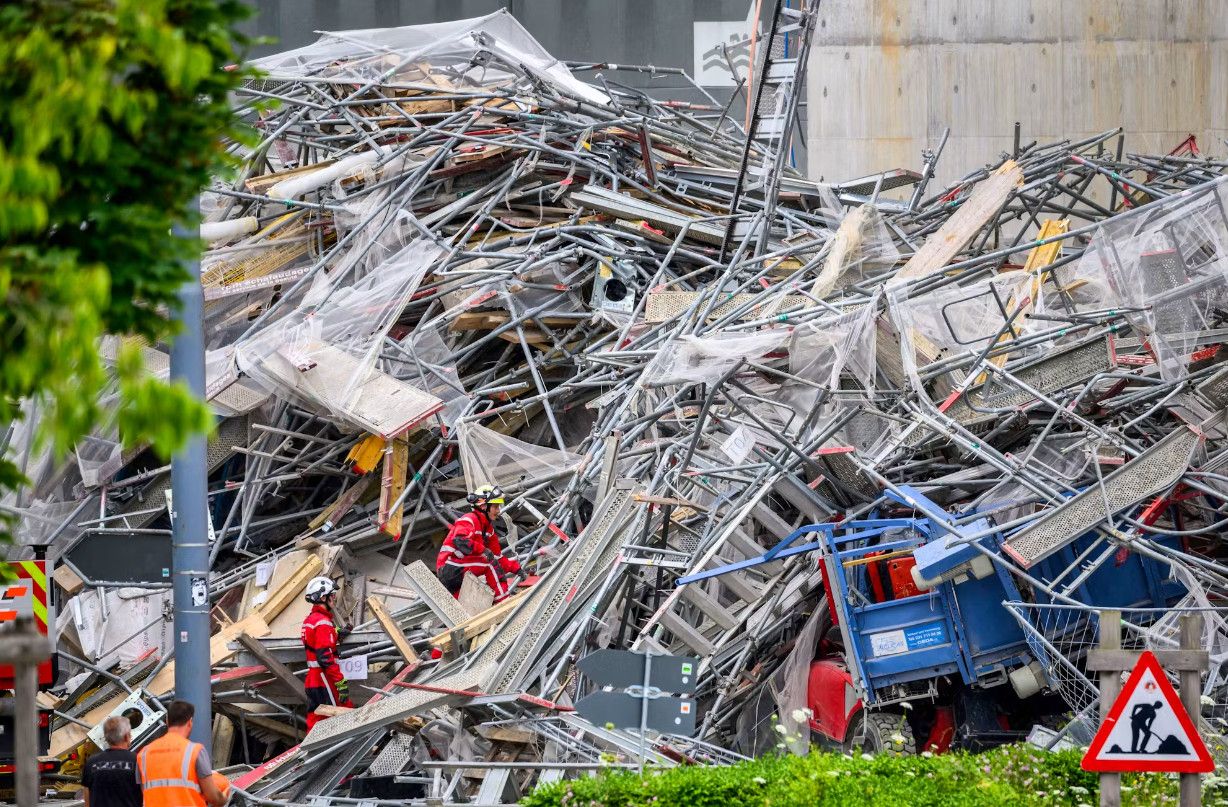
450	262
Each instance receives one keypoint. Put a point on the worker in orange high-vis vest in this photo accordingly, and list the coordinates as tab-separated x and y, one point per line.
176	772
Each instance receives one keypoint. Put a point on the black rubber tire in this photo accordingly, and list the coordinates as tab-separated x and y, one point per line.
875	733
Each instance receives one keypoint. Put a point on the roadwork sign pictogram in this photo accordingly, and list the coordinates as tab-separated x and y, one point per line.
1148	729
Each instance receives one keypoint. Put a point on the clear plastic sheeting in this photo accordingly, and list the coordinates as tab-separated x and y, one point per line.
790	685
823	352
476	52
426	361
1063	459
862	248
324	353
705	359
490	458
1166	266
98	459
958	324
41	520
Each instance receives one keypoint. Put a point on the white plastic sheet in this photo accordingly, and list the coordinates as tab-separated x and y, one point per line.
957	321
490	458
324	354
693	359
363	56
1166	264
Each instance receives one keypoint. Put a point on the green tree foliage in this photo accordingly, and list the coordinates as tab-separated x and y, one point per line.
112	116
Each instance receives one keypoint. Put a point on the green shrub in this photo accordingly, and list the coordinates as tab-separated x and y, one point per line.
1014	776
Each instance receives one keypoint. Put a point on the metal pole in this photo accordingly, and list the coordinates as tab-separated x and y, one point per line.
24	647
189	520
1191	691
1110	686
26	731
644	709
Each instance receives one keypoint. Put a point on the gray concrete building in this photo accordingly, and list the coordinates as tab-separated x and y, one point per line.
886	77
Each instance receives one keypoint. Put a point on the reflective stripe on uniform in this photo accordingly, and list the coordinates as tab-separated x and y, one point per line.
472	565
313	665
190	785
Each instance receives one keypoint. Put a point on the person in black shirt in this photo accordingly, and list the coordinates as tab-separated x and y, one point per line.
110	777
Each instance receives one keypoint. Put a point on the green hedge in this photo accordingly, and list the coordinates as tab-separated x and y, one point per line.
1014	776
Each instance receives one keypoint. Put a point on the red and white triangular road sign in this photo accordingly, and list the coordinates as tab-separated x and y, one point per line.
1148	729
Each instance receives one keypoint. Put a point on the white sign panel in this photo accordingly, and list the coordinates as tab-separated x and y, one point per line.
354	668
888	643
717	44
1148	729
738	445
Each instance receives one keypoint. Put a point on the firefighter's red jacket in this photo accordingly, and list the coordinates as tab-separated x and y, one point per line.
320	641
470	544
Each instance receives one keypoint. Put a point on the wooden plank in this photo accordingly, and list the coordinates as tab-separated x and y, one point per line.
219	651
1099	660
479	624
276	726
336	511
986	199
68	580
276	601
281	671
392	484
392	629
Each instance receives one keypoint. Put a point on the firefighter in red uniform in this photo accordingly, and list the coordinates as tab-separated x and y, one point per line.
472	547
324	683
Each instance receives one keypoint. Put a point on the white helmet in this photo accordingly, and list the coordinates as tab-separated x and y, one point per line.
320	587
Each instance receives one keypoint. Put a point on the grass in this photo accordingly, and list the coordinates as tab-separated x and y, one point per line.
1013	776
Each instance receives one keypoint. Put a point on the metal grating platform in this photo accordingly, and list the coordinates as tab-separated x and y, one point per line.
389	710
1215	389
1075	365
1153	471
434	595
561	586
393	757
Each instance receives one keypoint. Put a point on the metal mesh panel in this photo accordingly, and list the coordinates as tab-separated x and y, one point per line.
1066	369
592	541
434	595
393	757
1215	388
239	397
664	306
1151	472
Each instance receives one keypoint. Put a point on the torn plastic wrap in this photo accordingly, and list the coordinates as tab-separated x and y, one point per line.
956	325
485	51
862	248
491	458
1166	266
705	359
324	354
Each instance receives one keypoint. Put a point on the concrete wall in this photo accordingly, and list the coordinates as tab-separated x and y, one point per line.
886	76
